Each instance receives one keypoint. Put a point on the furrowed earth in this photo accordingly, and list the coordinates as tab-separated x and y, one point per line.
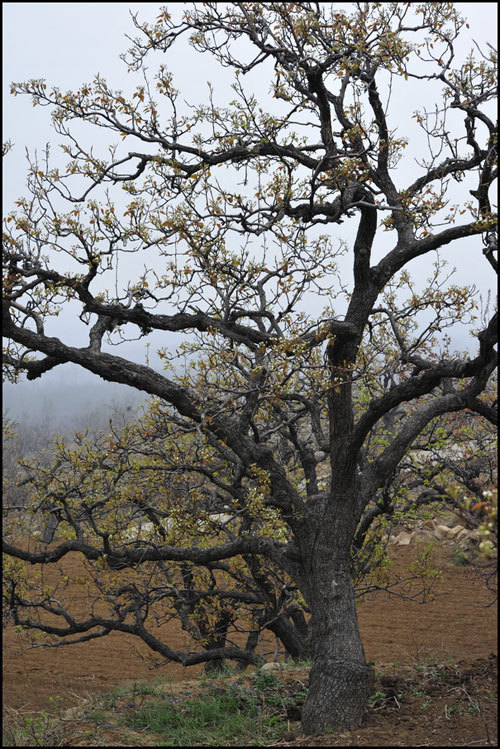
435	665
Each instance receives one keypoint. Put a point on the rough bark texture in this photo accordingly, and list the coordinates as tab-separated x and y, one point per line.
340	680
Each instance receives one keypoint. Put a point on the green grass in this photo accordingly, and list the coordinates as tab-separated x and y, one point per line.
134	690
249	712
211	720
376	699
254	710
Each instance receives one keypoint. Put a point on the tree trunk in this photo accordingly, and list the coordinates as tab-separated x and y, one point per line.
340	680
217	639
290	637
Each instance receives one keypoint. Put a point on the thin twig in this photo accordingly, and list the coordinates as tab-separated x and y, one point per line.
477	707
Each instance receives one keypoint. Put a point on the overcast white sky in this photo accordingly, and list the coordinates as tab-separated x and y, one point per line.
68	43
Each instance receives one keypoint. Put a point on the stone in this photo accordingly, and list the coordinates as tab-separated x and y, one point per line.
441	531
453	532
403	539
74	712
422	535
271	666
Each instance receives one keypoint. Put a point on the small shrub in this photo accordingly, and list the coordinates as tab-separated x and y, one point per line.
460	558
266	680
42	729
376	698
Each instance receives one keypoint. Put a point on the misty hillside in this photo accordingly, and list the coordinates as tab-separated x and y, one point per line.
68	401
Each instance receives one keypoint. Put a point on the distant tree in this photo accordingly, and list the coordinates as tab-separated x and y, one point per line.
12	493
225	206
21	440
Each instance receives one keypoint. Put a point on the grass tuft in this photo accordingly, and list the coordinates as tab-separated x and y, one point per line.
209	719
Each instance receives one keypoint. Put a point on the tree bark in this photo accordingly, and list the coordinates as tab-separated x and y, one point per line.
290	637
340	680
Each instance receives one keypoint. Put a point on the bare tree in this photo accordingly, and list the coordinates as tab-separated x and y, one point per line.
225	205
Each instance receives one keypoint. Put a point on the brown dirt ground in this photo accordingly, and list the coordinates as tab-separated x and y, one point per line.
457	630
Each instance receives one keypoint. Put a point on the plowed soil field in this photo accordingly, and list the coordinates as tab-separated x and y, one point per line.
457	627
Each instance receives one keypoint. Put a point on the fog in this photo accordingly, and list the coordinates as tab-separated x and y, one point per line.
70	400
